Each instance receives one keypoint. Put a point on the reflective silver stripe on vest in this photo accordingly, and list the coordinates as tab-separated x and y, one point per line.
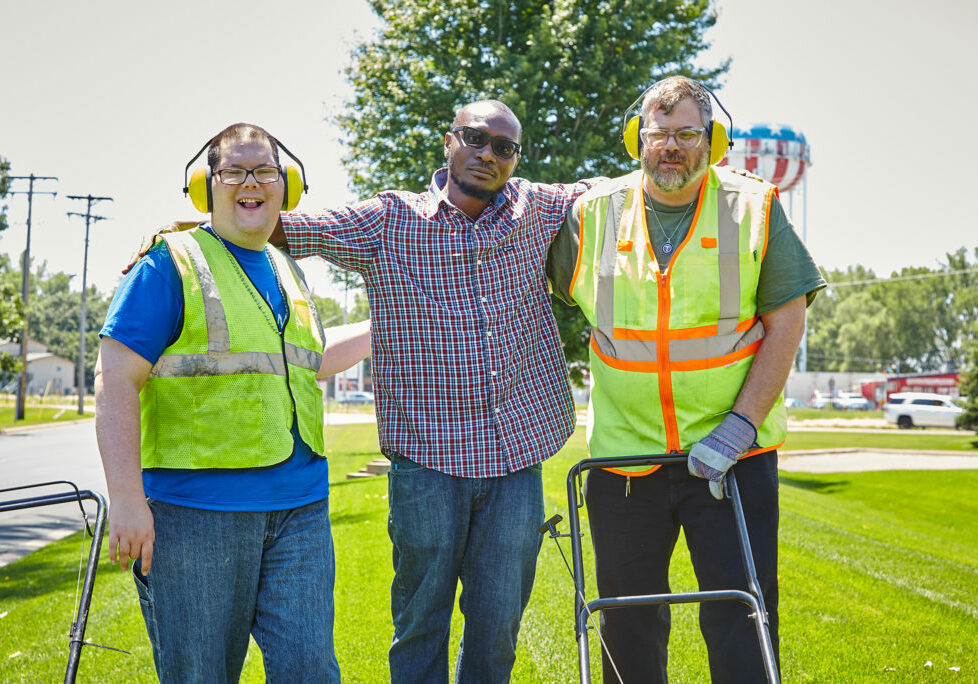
728	244
712	347
726	341
218	363
604	291
300	278
626	350
218	336
303	358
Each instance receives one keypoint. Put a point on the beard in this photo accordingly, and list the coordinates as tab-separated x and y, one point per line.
674	180
473	191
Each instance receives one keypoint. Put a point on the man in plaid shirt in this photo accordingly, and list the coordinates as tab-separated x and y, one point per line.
471	386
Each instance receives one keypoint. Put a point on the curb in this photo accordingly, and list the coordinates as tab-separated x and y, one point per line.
17	429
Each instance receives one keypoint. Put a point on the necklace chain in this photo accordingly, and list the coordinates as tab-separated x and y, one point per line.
667	245
262	305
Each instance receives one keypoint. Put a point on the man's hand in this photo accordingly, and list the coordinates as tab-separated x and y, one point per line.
131	533
149	240
712	456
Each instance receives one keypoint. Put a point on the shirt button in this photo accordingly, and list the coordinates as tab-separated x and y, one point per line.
484	300
478	262
488	333
492	373
497	410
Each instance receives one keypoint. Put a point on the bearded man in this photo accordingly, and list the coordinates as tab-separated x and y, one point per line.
695	285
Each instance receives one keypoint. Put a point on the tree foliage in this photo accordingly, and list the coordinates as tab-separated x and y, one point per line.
918	319
11	307
55	313
4	187
567	68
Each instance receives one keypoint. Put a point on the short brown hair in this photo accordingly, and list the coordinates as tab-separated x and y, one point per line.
669	92
238	132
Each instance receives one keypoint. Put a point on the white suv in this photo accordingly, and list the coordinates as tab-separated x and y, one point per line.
921	409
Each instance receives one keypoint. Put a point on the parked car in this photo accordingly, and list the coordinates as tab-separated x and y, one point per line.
851	402
356	398
921	409
793	403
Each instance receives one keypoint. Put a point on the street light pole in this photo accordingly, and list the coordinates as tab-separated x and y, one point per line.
25	280
83	321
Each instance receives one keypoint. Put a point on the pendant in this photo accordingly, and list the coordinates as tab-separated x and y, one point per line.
667	247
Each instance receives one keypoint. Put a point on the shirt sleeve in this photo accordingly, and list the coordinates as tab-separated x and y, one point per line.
788	270
562	257
556	198
146	313
348	237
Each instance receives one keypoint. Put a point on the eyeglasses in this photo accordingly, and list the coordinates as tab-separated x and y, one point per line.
473	137
263	174
685	138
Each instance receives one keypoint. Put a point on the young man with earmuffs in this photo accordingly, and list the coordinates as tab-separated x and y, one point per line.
695	286
210	426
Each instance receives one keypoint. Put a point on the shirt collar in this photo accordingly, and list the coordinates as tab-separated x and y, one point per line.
437	193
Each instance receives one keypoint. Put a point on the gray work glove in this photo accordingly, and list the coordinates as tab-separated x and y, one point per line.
712	456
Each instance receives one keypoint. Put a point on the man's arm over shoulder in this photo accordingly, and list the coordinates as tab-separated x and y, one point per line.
348	236
563	256
346	345
555	199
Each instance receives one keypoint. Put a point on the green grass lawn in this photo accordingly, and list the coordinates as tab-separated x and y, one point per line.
920	440
41	414
879	576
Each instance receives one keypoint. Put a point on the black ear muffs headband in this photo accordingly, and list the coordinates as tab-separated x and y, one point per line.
720	141
198	188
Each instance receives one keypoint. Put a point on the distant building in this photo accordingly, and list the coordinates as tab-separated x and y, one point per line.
46	372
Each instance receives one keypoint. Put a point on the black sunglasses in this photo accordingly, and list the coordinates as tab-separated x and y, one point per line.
473	137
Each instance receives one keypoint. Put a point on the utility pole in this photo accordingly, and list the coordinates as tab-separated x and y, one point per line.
83	322
25	279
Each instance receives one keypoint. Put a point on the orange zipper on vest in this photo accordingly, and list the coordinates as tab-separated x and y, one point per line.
662	356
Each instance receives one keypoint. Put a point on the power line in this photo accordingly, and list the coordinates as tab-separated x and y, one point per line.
917	276
83	323
25	279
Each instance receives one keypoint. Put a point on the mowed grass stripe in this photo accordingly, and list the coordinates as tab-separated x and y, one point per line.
878	577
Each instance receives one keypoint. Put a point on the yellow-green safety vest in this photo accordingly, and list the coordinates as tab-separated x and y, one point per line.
670	349
224	394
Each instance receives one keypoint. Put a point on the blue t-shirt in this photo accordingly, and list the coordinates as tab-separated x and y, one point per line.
146	315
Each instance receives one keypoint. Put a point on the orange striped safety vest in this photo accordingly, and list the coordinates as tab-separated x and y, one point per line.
670	349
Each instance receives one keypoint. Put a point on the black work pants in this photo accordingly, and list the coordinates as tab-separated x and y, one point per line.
634	528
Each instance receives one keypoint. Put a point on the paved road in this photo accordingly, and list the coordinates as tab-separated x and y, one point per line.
62	452
65	452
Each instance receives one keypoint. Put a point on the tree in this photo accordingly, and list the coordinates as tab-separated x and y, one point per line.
567	68
55	318
55	311
4	187
918	319
969	389
11	306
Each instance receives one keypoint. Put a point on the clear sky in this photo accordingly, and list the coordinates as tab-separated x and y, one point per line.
114	96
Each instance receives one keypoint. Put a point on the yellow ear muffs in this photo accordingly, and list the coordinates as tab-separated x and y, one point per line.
630	136
719	142
199	189
293	188
719	139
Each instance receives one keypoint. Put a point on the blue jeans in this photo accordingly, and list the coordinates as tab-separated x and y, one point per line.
482	531
219	576
634	533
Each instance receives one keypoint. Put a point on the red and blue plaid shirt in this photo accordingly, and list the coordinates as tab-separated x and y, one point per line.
469	374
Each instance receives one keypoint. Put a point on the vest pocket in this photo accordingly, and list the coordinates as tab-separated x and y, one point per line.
212	439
